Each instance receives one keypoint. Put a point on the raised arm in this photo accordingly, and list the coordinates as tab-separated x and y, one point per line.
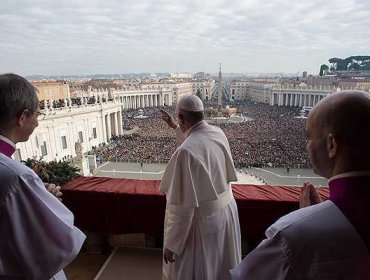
168	119
180	137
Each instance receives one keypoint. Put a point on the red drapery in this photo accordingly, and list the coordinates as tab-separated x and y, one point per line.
136	206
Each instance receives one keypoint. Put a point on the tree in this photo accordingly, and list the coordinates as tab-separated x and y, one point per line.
323	68
354	66
338	64
56	172
355	62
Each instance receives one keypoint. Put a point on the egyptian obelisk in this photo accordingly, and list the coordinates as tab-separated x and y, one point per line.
220	86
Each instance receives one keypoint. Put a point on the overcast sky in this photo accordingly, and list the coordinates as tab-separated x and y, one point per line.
120	36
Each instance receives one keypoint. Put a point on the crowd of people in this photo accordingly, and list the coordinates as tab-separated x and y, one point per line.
273	138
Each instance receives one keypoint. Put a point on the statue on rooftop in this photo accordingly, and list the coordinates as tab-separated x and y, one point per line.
78	150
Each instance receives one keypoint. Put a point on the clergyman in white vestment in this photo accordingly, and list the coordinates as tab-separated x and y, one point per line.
37	235
329	240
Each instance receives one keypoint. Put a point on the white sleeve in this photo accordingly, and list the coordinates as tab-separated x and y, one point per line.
177	226
39	232
267	261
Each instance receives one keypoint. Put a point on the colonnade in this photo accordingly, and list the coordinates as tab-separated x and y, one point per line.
142	101
112	125
295	99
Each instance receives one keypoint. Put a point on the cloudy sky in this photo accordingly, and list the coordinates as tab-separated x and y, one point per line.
122	36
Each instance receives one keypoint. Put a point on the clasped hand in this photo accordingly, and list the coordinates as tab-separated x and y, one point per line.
54	190
309	195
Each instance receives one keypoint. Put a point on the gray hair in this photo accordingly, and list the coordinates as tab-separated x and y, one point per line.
191	117
16	95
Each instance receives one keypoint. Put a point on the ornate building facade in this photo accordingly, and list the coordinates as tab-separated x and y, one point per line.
279	94
56	135
205	86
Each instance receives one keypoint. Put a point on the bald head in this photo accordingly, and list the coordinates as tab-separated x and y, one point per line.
343	119
347	115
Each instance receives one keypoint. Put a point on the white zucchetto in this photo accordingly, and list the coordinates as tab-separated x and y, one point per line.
190	103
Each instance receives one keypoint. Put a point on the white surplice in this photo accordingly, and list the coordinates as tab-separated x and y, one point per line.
316	242
201	221
37	235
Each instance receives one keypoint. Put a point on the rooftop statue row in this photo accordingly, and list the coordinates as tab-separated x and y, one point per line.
74	102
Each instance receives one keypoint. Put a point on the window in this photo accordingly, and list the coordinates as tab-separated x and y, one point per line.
94	133
17	155
64	142
44	150
80	137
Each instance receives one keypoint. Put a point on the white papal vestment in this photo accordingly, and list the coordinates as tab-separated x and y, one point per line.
201	221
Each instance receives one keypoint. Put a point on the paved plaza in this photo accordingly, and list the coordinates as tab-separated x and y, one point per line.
280	176
258	176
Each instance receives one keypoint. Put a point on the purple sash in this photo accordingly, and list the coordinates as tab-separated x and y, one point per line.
6	148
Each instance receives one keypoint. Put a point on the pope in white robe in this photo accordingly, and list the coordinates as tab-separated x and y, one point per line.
201	221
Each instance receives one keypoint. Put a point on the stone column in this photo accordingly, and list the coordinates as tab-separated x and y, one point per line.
280	98
161	99
116	123
100	128
109	127
119	121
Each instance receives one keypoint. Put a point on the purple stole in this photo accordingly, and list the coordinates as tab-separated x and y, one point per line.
352	196
6	148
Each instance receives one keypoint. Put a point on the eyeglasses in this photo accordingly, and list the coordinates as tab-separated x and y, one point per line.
40	115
